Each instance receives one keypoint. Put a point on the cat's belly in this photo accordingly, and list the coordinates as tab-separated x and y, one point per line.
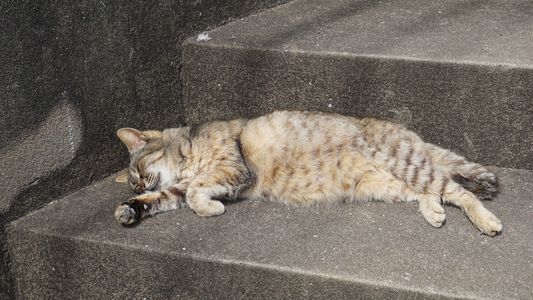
307	178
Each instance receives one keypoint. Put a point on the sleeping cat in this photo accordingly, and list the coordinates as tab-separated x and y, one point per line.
299	158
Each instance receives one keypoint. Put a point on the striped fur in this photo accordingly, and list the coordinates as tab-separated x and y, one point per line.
300	158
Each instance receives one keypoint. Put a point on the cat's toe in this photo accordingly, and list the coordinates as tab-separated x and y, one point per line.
125	214
436	219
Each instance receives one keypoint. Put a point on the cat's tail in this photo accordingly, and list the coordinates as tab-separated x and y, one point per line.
471	176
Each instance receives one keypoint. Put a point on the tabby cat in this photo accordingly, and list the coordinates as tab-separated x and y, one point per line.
299	158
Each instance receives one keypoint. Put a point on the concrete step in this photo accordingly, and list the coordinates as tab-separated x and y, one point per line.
458	72
74	248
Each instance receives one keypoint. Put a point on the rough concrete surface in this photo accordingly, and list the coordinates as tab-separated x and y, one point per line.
52	146
73	247
458	72
71	74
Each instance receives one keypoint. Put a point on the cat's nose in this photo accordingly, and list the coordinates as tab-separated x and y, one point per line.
139	188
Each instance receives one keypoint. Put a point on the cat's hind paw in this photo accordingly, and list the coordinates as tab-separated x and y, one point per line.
433	212
486	222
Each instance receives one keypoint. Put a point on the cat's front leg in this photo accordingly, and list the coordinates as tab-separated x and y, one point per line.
226	181
149	204
199	198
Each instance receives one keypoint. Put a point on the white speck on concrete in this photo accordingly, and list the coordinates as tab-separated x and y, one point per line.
184	249
315	236
203	37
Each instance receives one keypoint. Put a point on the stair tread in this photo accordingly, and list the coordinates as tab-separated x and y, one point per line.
476	32
378	244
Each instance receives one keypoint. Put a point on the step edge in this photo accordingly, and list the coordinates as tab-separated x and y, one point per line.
260	266
349	55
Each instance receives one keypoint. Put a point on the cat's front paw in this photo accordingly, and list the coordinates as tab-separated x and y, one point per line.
209	209
126	214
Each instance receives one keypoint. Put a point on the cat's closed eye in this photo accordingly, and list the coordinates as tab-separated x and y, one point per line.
132	179
145	183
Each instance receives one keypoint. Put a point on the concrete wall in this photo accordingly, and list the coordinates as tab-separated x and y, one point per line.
71	73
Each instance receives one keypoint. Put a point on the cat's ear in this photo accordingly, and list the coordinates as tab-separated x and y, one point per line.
132	138
122	177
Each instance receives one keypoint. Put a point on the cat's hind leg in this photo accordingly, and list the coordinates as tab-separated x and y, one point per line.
377	184
382	185
149	204
481	217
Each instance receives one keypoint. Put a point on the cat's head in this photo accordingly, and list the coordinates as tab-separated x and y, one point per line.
147	152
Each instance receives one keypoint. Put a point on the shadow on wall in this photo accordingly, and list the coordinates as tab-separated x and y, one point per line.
28	158
72	74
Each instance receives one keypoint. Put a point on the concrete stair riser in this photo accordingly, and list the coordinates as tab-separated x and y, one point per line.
482	112
458	72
